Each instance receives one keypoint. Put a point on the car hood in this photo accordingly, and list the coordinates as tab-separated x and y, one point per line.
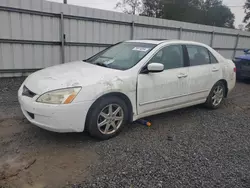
68	75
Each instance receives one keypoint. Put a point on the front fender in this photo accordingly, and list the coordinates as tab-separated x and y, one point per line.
125	87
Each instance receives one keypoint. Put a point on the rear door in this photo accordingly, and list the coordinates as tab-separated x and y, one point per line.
216	69
201	77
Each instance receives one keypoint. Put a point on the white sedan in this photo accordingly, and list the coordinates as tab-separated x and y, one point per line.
124	83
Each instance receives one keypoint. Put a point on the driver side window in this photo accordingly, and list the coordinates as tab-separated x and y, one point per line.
171	57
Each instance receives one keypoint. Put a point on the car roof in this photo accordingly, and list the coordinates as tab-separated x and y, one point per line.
150	41
159	41
245	57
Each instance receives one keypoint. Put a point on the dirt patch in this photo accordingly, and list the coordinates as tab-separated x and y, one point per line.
33	158
8	127
48	168
12	167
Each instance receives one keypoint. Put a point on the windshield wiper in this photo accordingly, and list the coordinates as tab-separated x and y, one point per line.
101	64
105	57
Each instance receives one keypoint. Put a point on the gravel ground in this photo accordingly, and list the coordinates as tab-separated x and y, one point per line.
192	147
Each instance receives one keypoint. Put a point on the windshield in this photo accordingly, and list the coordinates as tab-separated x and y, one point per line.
122	56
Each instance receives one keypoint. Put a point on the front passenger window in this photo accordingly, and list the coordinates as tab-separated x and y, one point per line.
171	57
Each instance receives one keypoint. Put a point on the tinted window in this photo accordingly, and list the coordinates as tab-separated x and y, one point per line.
212	58
171	57
198	55
122	56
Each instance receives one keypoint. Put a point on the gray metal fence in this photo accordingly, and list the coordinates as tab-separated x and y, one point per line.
35	34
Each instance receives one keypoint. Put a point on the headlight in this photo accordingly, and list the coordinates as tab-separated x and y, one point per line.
62	96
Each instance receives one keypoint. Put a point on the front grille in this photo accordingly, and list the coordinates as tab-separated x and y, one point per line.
27	92
31	115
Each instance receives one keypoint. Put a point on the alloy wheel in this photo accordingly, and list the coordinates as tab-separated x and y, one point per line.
110	119
218	95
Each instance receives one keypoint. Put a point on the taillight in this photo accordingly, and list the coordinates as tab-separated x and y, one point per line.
234	69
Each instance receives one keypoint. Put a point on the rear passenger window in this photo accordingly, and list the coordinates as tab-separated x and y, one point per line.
198	55
212	58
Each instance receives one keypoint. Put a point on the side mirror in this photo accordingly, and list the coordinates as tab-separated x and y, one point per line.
155	67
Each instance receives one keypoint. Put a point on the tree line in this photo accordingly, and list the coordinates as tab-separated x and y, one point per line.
208	12
247	11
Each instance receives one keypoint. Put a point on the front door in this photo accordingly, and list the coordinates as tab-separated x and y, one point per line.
158	91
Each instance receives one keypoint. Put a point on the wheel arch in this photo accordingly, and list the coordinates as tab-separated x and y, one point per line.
225	84
120	95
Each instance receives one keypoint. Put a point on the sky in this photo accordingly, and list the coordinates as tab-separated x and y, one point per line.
235	6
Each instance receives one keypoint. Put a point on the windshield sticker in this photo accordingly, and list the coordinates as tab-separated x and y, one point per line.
140	49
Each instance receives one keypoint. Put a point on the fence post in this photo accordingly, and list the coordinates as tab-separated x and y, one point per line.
62	37
212	40
236	45
180	33
132	29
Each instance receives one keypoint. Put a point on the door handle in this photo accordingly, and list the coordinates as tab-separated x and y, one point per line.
215	69
182	75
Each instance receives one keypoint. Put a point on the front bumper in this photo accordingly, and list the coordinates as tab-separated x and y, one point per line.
56	118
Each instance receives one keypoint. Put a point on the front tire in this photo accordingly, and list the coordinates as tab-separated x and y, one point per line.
216	96
107	117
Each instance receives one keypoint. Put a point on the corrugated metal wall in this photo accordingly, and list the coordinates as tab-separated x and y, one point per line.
31	34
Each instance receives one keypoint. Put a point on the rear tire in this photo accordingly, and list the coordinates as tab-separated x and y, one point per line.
216	96
107	117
